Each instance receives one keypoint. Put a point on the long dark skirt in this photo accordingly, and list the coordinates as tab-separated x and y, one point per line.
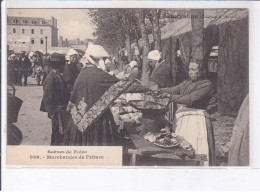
102	133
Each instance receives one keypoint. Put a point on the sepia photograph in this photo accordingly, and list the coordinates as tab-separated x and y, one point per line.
128	87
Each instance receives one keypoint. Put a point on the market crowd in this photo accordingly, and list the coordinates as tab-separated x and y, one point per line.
80	88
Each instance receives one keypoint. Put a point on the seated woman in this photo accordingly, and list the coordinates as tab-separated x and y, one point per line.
91	122
192	121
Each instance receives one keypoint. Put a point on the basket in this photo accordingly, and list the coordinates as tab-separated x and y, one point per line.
149	108
13	106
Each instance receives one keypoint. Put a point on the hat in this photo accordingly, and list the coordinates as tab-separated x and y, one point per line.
154	55
96	51
56	59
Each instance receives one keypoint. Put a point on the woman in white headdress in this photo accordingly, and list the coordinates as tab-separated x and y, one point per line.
70	70
94	91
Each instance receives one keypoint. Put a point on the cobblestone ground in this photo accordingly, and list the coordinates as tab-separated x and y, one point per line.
222	126
34	124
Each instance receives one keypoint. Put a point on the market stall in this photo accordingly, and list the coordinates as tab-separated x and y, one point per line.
143	117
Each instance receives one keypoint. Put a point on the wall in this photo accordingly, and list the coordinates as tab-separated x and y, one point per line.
47	31
54	35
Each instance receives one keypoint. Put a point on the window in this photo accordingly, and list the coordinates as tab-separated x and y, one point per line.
32	41
14	30
32	31
15	21
23	42
23	31
43	22
41	40
41	31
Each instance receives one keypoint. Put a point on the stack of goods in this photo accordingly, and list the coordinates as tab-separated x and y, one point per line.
123	112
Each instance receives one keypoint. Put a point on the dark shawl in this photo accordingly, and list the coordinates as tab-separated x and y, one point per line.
90	85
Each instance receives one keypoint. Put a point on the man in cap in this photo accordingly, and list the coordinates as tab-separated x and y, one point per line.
55	96
71	70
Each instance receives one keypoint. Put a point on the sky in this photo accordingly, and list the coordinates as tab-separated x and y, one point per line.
72	23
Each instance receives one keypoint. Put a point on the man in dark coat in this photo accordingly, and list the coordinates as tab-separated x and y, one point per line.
23	68
55	97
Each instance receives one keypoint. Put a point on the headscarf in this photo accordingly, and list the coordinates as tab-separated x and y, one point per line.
154	55
70	53
96	51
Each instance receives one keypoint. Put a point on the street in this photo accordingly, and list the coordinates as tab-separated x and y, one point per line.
34	124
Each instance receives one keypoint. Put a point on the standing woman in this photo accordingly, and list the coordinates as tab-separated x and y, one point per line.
91	122
71	71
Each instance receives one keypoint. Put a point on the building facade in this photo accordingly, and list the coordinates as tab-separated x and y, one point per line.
31	33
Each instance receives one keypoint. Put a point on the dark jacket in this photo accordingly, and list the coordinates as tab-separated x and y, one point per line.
194	94
55	92
162	75
70	73
24	65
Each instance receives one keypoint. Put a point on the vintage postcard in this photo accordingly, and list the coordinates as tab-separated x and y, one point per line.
116	87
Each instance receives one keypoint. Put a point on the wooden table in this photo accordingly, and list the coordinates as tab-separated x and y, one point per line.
148	154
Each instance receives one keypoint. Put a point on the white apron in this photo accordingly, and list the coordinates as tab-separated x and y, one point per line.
192	126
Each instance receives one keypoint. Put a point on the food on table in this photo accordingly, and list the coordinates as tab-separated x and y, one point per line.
167	140
145	105
150	137
165	130
128	109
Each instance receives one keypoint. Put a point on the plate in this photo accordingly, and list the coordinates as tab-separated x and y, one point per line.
164	146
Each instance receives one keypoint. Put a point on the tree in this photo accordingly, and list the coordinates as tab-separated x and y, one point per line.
154	17
197	24
116	28
140	14
108	32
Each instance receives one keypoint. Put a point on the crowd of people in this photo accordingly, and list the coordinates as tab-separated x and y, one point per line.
22	65
79	88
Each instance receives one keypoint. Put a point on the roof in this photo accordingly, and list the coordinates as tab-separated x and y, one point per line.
211	17
28	21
